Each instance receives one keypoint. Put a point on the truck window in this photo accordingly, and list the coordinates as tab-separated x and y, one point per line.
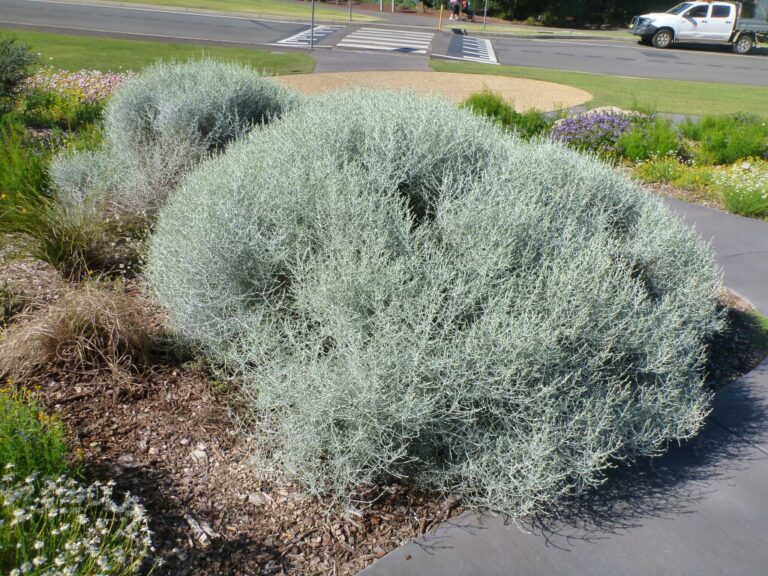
698	11
680	8
720	11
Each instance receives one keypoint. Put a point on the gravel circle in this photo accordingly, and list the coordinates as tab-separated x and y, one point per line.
521	93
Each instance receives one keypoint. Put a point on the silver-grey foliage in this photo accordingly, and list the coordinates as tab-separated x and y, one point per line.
407	292
163	122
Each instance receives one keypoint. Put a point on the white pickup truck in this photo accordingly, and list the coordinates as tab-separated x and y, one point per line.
709	22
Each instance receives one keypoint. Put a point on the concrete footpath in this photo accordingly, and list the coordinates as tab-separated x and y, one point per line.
699	510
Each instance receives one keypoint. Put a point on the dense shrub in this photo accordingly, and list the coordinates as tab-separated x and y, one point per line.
654	138
438	302
162	122
16	63
493	106
31	442
727	139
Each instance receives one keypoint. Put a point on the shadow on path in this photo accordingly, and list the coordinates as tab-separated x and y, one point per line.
670	485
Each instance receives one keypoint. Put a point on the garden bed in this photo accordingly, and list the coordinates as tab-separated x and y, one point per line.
222	428
164	432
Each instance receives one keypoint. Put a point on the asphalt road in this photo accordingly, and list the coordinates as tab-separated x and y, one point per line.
623	58
144	23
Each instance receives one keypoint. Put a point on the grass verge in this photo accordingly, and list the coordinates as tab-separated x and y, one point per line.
673	96
72	52
526	30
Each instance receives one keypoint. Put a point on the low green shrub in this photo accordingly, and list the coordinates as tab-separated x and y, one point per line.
57	526
23	163
655	138
744	188
50	524
68	100
727	139
663	170
437	302
52	110
31	442
493	106
695	178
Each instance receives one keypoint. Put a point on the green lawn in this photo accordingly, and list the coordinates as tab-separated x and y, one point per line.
524	30
289	8
70	52
674	96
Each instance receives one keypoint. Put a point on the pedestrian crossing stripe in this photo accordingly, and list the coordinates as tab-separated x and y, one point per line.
390	40
302	38
478	50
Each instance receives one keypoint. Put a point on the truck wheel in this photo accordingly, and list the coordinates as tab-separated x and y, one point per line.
663	38
744	44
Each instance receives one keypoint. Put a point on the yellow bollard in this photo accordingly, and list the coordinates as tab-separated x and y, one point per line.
440	20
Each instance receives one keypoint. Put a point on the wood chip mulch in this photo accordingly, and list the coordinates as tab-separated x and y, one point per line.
164	436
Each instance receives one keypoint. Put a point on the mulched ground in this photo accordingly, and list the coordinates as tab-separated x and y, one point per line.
162	431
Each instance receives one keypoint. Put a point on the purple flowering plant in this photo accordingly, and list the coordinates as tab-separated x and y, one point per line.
597	132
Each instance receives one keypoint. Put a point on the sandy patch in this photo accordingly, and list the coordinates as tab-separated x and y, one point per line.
521	93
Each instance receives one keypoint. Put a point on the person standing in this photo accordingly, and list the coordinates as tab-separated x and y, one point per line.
469	15
454	5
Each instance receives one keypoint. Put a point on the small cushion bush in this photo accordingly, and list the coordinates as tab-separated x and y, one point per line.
165	120
437	301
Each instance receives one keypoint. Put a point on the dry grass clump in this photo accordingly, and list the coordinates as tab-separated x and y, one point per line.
90	328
